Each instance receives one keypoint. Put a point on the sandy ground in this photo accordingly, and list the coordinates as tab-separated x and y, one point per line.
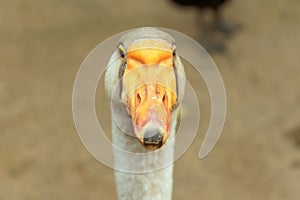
42	44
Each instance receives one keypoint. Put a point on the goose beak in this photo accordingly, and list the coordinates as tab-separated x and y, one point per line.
149	91
151	115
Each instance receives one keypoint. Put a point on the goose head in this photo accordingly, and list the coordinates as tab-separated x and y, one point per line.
148	83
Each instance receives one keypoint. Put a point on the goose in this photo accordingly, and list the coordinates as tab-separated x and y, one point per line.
142	84
219	22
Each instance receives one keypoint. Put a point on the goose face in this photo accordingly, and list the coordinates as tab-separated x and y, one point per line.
149	89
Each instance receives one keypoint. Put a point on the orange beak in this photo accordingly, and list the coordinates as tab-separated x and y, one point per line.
149	91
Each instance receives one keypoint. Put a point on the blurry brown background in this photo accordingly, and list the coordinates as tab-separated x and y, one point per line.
42	44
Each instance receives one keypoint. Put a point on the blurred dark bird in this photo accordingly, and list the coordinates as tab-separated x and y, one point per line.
219	23
214	28
214	4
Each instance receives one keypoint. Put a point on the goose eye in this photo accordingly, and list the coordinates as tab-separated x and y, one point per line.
121	51
174	51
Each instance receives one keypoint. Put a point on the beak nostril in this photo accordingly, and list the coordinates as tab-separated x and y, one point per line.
138	99
165	100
